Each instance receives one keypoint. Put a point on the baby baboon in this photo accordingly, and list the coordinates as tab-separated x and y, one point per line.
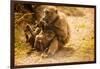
31	34
39	39
43	39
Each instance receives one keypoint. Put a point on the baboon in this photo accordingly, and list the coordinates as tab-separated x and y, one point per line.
54	28
40	40
31	34
43	39
57	22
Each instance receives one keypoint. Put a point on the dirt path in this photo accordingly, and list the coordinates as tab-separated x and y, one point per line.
80	47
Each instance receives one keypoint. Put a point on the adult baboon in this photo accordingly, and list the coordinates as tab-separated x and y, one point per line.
57	22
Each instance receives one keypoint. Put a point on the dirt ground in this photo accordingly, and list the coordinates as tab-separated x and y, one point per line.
80	47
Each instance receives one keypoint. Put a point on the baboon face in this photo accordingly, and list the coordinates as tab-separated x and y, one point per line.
50	14
46	13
